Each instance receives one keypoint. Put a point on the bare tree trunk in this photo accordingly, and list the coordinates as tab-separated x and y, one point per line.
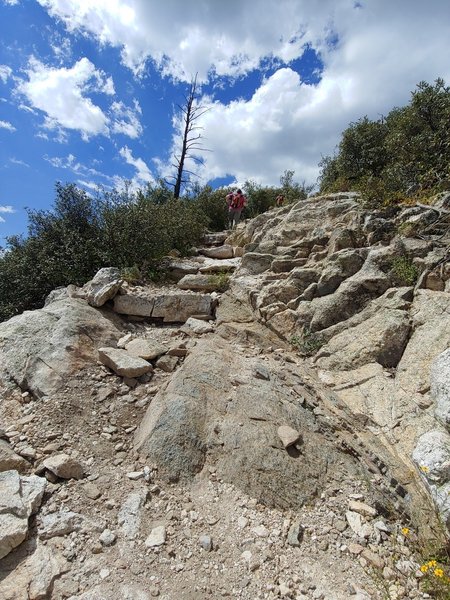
190	142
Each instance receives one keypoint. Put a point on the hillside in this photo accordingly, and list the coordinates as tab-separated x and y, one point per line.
285	438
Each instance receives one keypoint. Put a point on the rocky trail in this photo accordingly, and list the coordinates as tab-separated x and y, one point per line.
267	441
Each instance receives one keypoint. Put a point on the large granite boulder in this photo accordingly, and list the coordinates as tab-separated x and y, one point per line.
225	408
39	349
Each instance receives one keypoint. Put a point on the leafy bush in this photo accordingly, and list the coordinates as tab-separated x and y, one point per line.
404	271
131	275
403	155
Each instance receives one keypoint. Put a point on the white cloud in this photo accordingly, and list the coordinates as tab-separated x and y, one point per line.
184	38
125	120
5	73
18	162
7	125
143	174
373	55
71	163
62	95
6	210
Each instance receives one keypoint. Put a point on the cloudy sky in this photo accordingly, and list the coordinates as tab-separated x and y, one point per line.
89	90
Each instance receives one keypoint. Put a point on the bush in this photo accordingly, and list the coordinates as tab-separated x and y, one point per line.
404	271
220	281
402	156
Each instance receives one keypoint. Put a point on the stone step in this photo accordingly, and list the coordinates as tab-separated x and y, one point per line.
202	282
215	239
224	251
171	307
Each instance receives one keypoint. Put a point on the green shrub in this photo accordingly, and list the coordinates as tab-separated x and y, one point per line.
81	234
308	342
402	157
404	271
131	275
220	281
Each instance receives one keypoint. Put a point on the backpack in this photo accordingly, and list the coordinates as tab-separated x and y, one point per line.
236	201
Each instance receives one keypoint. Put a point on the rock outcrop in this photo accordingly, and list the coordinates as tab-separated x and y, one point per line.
367	304
281	439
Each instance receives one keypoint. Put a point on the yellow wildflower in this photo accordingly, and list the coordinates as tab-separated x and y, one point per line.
424	468
405	530
432	563
424	568
439	572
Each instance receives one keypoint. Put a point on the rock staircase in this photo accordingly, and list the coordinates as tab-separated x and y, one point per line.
189	302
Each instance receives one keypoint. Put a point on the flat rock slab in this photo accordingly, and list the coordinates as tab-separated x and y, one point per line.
123	363
131	304
224	251
200	283
171	308
146	349
219	266
215	239
177	308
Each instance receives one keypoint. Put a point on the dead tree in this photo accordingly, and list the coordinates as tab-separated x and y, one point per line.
190	112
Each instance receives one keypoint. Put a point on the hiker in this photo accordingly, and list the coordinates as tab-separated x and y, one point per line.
279	200
236	202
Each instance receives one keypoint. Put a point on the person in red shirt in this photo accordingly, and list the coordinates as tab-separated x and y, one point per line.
236	202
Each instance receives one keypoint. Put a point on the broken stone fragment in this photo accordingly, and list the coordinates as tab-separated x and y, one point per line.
362	508
157	537
64	466
198	326
205	542
10	459
123	363
260	372
288	435
167	363
146	349
103	287
295	534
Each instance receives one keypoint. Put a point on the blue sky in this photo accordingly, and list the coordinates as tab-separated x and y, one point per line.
88	90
